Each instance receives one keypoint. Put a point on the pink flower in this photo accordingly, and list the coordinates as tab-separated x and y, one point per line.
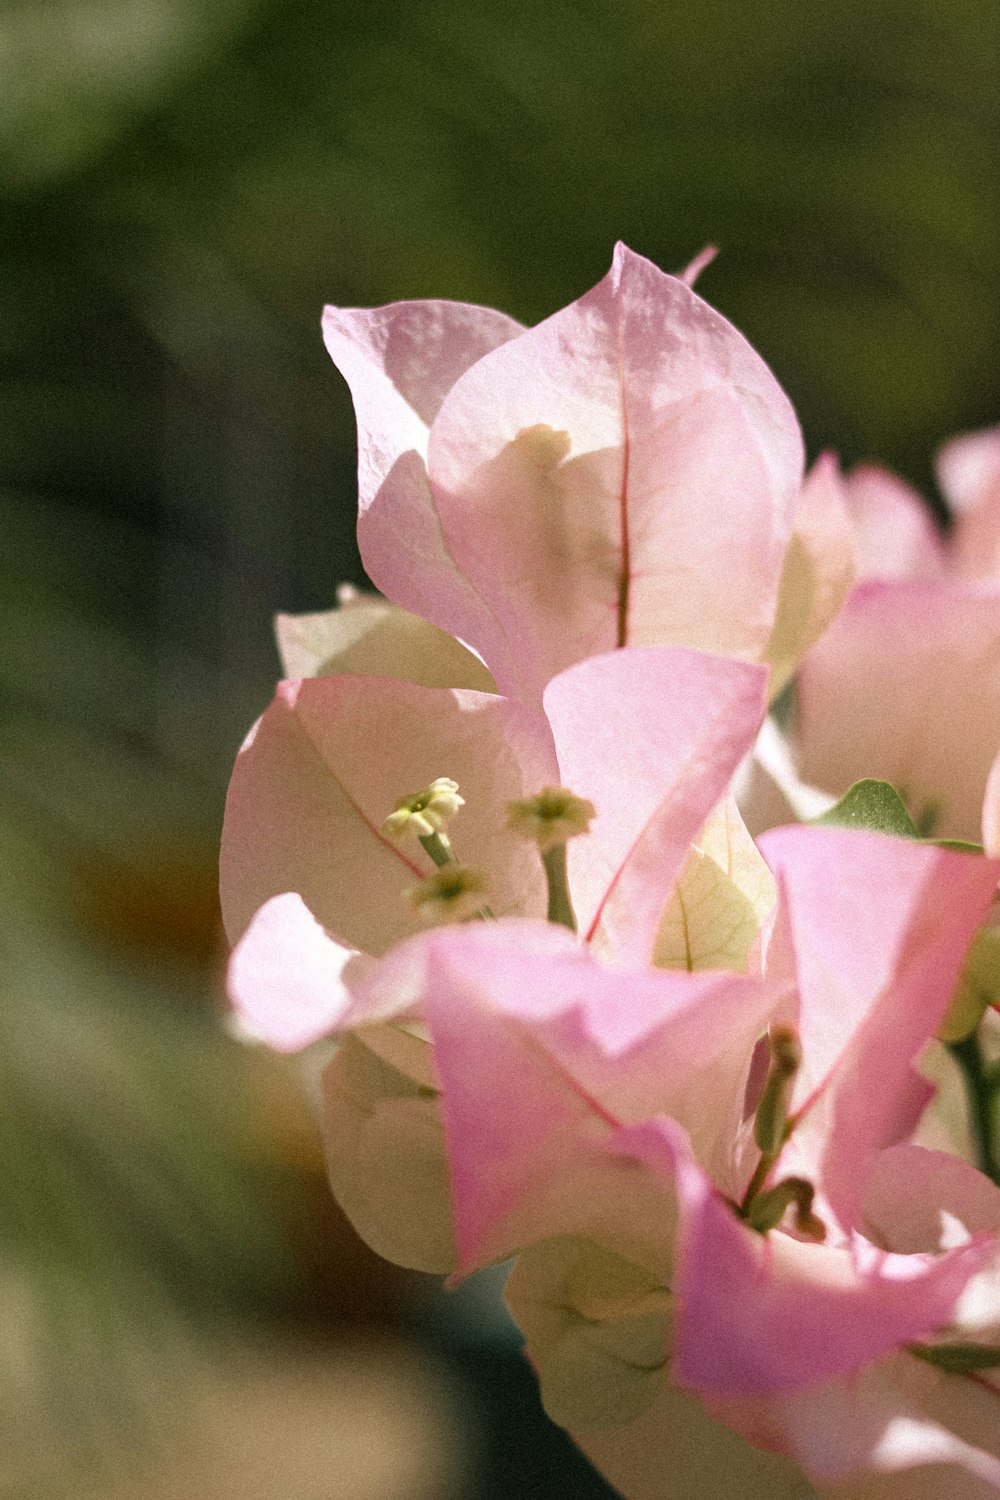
311	884
650	736
627	472
895	534
611	1137
773	1331
968	470
905	684
686	1102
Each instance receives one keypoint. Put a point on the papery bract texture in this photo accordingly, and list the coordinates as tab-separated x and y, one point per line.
624	473
905	686
760	1316
324	767
877	953
652	737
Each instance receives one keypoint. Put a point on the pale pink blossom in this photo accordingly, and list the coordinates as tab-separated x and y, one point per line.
650	736
313	883
614	1112
895	535
905	684
776	1333
627	472
968	469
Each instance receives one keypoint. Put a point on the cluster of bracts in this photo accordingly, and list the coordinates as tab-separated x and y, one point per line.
616	978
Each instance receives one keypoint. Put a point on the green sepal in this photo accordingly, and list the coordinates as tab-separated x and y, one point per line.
872	805
958	1359
978	983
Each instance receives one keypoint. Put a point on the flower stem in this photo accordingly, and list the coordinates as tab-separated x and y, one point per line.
438	846
982	1084
560	905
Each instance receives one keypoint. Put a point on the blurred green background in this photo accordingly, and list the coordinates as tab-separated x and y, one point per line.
183	185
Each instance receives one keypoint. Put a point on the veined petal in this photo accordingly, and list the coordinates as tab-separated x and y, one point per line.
574	1047
400	361
723	897
651	736
624	473
879	928
324	767
762	1315
905	686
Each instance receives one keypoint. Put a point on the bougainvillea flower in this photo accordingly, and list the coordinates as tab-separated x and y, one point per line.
577	1047
308	799
570	1024
899	1427
876	954
895	535
968	470
306	864
626	472
605	1225
905	686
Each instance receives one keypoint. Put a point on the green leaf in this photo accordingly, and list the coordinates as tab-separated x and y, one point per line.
872	805
958	1359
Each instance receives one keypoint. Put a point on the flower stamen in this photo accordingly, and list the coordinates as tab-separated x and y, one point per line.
425	816
452	894
550	820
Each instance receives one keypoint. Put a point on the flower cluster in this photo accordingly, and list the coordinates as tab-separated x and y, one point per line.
494	835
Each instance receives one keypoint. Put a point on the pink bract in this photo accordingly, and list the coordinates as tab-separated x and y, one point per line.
327	761
624	473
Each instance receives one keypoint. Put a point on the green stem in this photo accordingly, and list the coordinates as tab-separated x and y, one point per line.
756	1183
438	846
981	1085
560	906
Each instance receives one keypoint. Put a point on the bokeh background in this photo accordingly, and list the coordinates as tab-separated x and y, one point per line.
183	183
